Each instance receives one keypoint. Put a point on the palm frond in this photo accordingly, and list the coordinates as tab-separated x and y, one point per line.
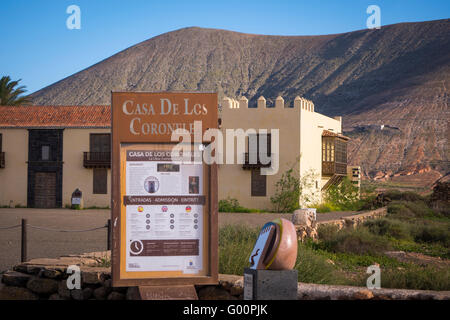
10	95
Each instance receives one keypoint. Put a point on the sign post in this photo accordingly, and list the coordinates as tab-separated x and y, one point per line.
164	210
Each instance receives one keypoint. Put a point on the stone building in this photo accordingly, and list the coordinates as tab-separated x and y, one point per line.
309	142
46	152
49	151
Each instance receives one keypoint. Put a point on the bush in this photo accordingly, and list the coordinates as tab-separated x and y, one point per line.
232	205
420	209
287	194
399	210
344	196
314	268
228	205
411	209
327	232
385	227
325	207
357	241
405	196
432	234
235	245
415	277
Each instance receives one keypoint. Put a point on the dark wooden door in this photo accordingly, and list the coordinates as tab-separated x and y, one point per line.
100	142
45	190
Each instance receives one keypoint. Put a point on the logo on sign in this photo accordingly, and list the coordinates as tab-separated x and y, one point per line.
188	208
136	247
164	209
140	209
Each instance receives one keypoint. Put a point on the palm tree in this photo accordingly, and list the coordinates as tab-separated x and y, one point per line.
10	96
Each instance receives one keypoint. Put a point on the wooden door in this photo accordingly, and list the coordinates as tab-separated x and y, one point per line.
45	190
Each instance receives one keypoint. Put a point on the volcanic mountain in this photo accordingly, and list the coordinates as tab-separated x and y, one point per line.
391	85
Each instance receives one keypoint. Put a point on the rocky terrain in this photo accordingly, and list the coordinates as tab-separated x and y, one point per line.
46	279
391	85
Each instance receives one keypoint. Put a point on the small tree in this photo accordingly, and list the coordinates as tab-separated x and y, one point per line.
287	192
344	196
307	187
291	190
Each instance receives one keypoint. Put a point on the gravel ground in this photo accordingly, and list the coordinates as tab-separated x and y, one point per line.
50	244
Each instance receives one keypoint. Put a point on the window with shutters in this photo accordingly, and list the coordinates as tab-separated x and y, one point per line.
253	158
255	146
100	181
334	156
99	155
258	184
100	142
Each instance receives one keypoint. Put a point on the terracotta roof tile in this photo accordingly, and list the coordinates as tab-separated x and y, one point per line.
55	116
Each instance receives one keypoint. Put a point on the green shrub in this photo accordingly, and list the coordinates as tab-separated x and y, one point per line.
385	227
327	232
420	209
228	205
344	196
325	207
321	208
287	193
394	194
399	210
314	268
232	205
430	249
408	210
432	234
416	277
357	241
235	245
368	202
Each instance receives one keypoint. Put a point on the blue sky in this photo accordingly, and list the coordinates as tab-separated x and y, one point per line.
38	48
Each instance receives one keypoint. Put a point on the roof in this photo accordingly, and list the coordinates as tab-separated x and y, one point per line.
55	116
327	133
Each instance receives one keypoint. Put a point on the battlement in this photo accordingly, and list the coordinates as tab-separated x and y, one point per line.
242	102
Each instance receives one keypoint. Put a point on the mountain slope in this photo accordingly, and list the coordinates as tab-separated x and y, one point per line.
396	76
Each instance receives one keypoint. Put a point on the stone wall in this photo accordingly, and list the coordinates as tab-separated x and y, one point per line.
309	230
45	279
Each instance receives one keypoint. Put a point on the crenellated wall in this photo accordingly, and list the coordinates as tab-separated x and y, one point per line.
242	102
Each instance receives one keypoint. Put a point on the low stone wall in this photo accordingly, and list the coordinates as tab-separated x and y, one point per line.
309	230
357	219
46	279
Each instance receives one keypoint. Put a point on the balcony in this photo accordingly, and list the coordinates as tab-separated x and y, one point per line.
334	154
330	168
248	166
2	159
97	159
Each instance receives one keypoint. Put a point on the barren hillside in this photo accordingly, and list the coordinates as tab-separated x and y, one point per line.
397	76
